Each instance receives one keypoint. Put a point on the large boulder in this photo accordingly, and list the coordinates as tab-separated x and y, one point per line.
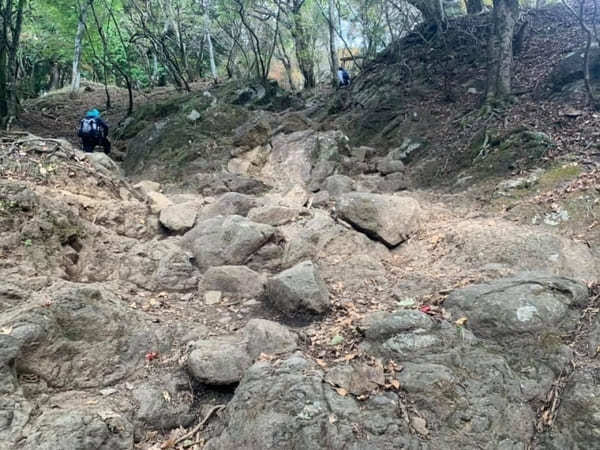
338	184
229	204
519	307
230	240
69	334
273	215
234	280
441	373
159	264
304	157
298	290
180	217
570	69
78	428
252	133
219	361
223	360
292	408
576	423
390	219
484	243
164	402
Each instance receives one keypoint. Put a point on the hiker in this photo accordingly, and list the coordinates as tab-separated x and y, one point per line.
344	77
93	131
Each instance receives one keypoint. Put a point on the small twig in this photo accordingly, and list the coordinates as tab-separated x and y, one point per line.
200	425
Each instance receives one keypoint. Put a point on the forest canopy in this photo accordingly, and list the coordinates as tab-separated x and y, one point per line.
140	44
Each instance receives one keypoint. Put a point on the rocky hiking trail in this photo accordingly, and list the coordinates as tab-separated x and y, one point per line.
247	274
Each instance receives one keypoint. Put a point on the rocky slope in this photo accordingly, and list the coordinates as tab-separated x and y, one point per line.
250	276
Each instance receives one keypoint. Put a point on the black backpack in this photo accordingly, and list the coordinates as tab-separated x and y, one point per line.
346	77
88	127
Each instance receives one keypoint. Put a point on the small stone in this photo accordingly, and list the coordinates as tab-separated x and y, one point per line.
194	115
212	297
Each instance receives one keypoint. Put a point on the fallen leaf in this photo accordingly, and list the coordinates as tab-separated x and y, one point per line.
6	330
343	392
395	383
332	419
150	356
460	322
420	425
350	356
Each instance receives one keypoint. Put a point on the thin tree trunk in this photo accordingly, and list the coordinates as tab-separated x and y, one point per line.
211	56
304	50
332	47
287	64
76	75
13	102
505	16
54	77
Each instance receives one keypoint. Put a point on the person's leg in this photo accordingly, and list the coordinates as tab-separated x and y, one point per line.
105	143
88	145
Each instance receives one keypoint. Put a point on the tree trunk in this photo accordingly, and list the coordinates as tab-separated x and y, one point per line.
474	6
505	16
13	102
304	50
54	77
332	47
76	75
211	57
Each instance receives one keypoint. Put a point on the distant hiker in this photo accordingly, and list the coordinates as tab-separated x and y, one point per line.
93	131
343	77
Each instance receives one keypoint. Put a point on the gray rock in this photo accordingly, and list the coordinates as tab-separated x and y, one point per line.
509	308
193	115
293	408
104	164
387	165
517	248
223	360
576	425
164	402
234	280
78	429
158	201
264	336
391	219
338	184
253	133
441	374
227	240
159	264
219	361
229	204
299	290
273	215
71	339
146	186
321	199
180	217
